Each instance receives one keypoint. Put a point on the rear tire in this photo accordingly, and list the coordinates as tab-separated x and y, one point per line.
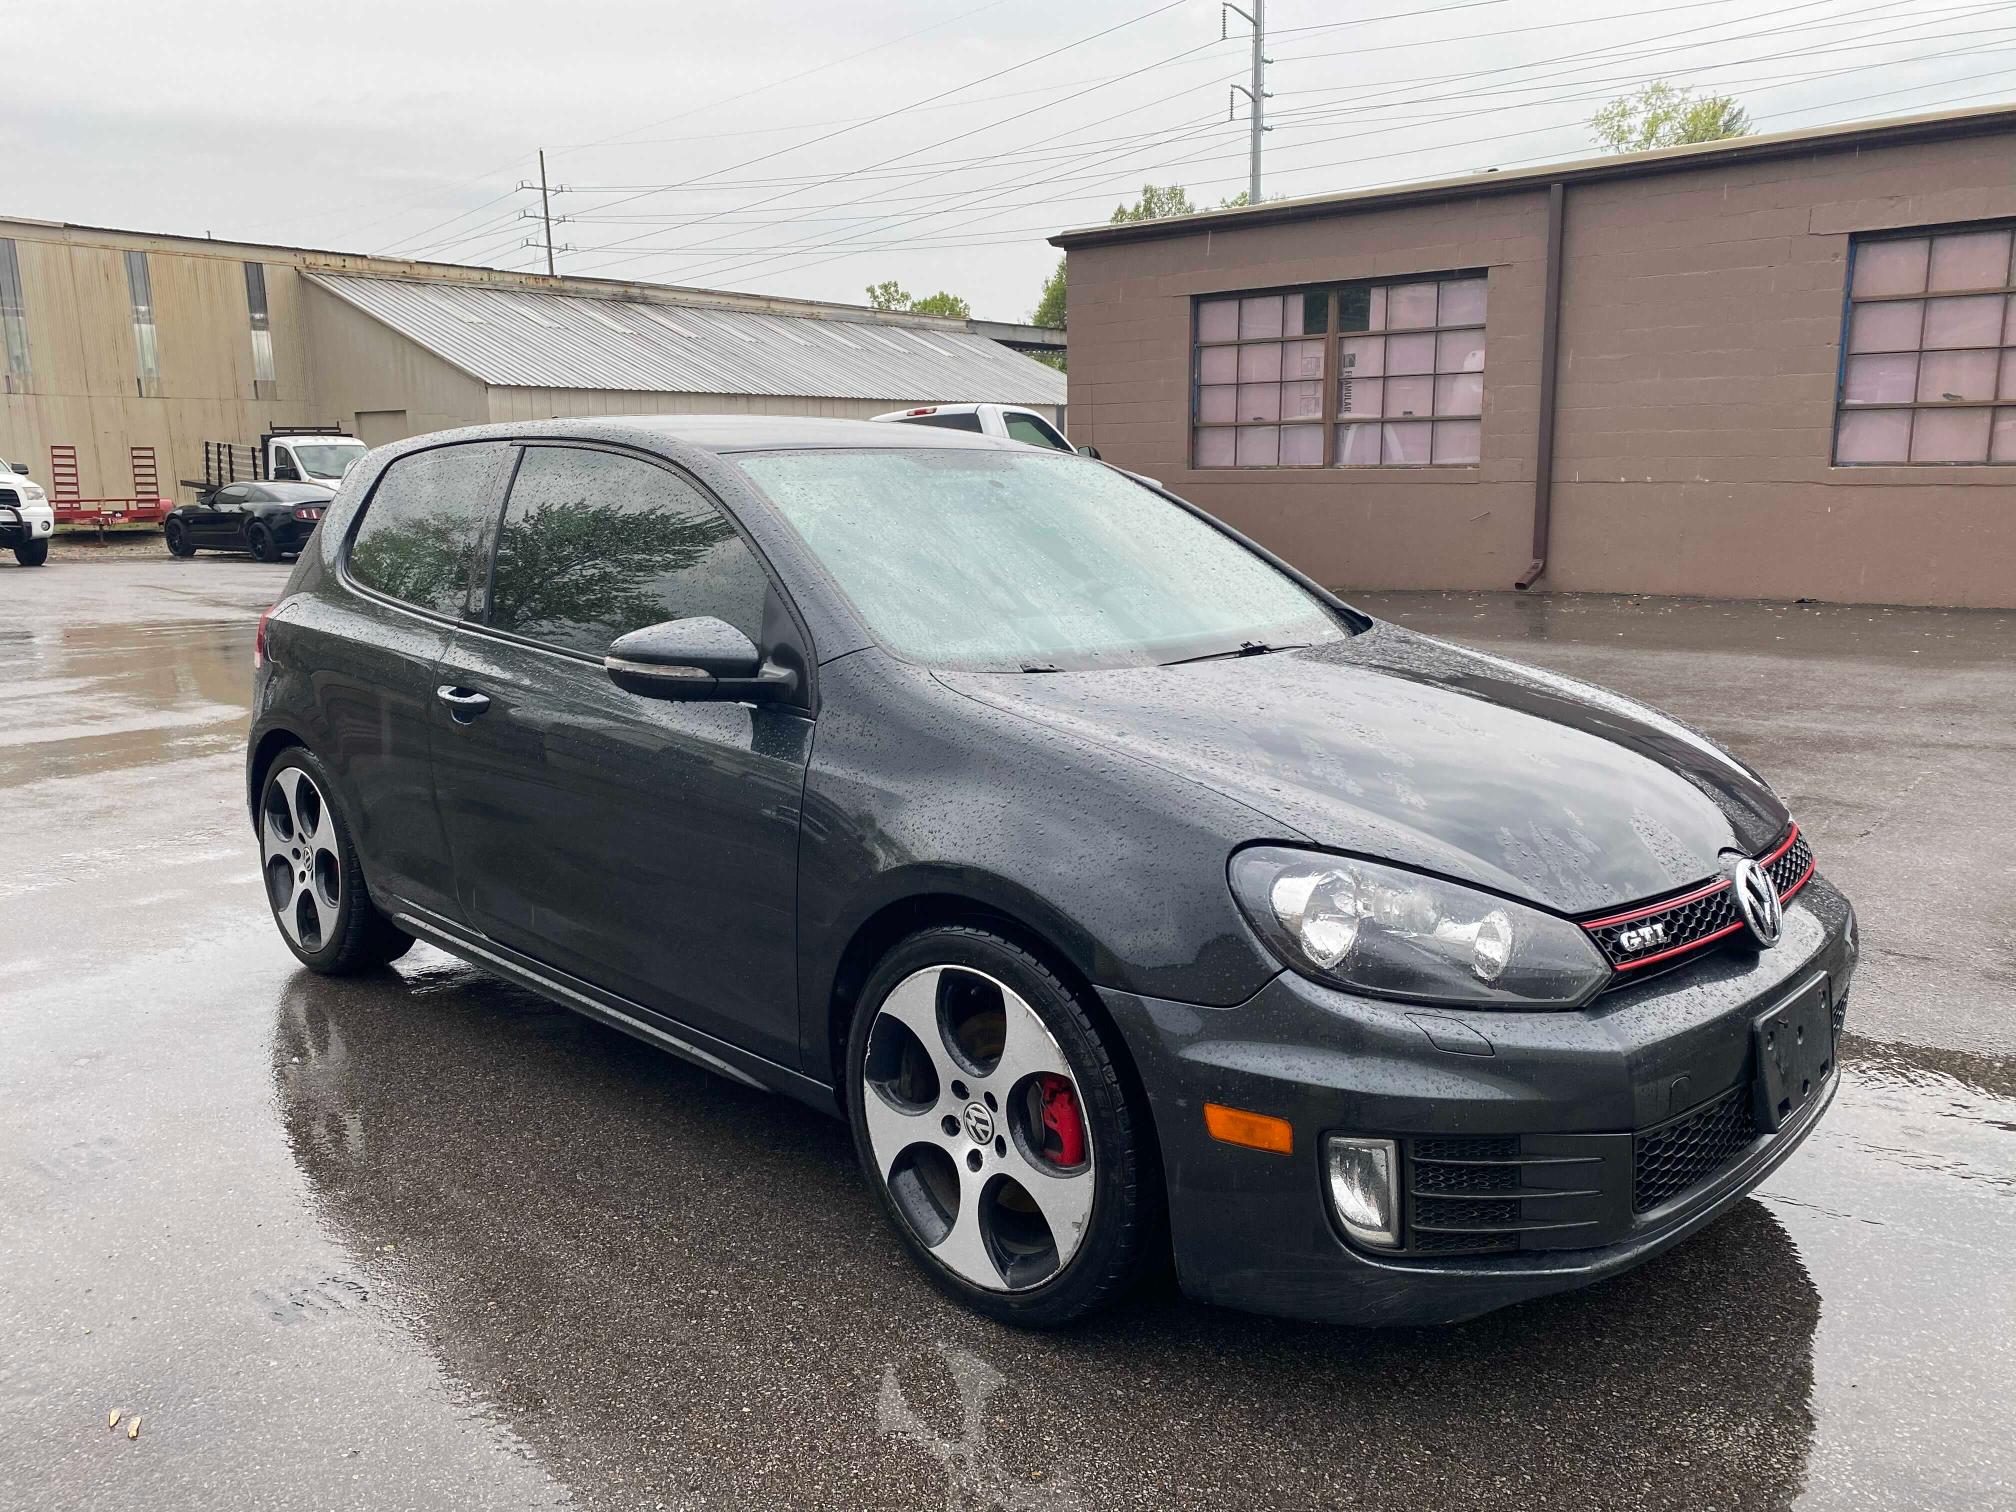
32	553
177	536
964	1047
260	539
314	884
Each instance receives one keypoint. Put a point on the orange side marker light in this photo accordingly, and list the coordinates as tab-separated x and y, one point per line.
1256	1131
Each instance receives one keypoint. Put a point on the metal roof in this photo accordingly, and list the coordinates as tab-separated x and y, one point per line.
522	338
1933	126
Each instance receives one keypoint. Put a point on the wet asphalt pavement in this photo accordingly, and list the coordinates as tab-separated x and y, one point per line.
421	1240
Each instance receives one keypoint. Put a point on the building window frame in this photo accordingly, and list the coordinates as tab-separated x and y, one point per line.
259	313
1879	406
14	354
146	346
1332	316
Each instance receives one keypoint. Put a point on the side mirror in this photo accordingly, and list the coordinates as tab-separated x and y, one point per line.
1088	451
21	468
284	473
703	659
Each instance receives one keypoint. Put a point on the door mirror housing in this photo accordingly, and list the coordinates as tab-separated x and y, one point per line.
21	468
702	659
1088	451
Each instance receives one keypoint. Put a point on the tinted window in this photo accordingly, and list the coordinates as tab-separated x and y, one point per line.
947	422
596	545
1010	559
1028	428
227	498
425	530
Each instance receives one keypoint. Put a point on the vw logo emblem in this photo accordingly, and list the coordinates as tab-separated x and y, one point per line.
1757	902
979	1123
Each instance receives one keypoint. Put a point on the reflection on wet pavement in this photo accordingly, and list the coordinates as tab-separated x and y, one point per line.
420	1239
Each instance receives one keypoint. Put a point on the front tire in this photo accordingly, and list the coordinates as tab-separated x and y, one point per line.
260	539
997	1131
32	553
314	884
177	536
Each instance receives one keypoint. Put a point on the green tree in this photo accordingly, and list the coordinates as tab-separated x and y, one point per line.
585	564
1665	115
890	295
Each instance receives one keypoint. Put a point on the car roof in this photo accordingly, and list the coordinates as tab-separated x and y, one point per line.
727	434
285	492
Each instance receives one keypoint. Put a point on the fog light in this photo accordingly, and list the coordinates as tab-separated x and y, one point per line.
1362	1188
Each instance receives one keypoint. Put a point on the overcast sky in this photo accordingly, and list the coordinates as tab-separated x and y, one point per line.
686	133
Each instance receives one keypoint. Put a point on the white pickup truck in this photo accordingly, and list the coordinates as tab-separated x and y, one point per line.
1008	421
26	519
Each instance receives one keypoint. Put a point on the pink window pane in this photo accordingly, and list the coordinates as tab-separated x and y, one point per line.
1218	403
1360	396
1970	260
1890	267
1218	320
1301	446
1950	436
2002	444
1259	446
1459	352
1302	359
1873	436
1218	364
1260	316
1376	320
1975	322
1358	445
1362	354
1410	354
1410	396
1215	448
2008	388
1463	302
1302	401
1260	364
1259	401
1410	306
1881	378
1459	394
1458	441
1957	375
1408	444
1886	327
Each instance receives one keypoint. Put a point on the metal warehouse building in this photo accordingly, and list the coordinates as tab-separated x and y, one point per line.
125	352
1772	367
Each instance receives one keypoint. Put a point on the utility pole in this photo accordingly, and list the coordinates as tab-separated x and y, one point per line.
1257	93
544	213
546	204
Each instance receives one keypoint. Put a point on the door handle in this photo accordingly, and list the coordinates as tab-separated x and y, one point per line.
463	705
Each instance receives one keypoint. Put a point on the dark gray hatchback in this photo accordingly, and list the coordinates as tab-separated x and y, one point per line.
1126	891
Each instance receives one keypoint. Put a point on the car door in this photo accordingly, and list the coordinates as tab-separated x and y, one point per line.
646	847
419	548
222	521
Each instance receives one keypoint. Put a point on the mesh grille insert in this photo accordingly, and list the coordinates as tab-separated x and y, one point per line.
1640	937
1669	1160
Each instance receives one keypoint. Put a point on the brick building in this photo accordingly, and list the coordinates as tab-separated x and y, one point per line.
1773	367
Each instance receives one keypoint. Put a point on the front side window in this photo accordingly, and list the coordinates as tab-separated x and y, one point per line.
147	354
596	544
1928	377
425	535
1357	375
1031	430
13	318
1030	561
263	384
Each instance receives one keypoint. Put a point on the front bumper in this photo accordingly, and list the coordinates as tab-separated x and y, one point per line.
22	523
1254	1230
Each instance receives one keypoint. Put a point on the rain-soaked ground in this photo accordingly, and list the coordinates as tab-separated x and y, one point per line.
421	1240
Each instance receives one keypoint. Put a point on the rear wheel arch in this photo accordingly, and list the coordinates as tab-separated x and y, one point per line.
264	754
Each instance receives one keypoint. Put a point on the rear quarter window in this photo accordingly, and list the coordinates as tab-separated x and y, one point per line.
424	538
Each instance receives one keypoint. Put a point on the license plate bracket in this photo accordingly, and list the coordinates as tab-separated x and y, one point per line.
1794	1043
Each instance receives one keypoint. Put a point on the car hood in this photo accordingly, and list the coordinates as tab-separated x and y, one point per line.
1400	747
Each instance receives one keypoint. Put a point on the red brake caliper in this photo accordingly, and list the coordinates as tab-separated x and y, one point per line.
1062	1118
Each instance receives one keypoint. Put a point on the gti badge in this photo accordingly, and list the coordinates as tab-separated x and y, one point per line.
1757	901
1643	936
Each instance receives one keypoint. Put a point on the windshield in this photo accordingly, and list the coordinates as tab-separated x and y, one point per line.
1030	561
325	459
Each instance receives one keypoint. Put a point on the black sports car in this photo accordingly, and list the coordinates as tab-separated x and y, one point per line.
270	520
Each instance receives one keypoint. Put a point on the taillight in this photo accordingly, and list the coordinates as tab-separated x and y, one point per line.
259	638
308	514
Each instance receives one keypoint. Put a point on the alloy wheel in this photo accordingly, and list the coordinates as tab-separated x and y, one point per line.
304	874
977	1125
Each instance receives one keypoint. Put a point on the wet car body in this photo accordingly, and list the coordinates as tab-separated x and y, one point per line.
1095	813
276	516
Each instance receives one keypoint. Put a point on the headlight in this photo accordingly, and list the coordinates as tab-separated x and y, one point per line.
1392	933
33	493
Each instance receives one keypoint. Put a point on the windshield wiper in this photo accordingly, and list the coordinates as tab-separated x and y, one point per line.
1244	648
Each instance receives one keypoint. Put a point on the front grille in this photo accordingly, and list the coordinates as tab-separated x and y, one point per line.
1660	932
1668	1160
10	498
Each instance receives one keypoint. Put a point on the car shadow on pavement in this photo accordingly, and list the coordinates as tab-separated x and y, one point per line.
673	1287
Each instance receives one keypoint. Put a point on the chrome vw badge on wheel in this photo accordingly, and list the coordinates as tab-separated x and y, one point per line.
1757	902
